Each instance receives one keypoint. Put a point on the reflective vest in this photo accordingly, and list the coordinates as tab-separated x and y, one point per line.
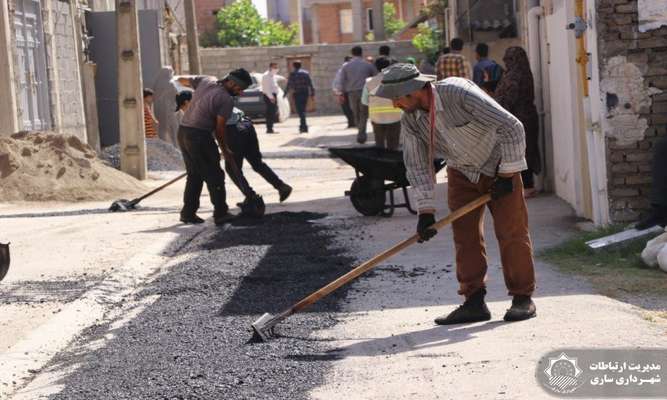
381	110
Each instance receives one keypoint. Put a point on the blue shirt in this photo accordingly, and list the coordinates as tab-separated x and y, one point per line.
478	71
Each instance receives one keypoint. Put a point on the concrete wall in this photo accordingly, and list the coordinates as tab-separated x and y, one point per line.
325	61
633	72
65	95
70	108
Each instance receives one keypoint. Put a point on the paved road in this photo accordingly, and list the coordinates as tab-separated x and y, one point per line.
128	306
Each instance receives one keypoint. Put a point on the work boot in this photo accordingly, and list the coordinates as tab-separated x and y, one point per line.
474	309
284	191
522	308
191	219
224	218
658	216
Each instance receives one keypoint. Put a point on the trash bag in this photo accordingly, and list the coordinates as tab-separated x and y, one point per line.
4	260
653	247
662	258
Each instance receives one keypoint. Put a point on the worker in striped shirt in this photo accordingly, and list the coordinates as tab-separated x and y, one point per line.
150	123
484	146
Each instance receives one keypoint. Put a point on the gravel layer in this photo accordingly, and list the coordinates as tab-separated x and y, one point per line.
160	156
194	341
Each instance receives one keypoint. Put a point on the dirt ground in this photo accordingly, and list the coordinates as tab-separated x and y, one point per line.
137	305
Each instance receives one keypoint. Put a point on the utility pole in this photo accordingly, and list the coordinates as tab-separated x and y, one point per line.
378	21
130	91
193	37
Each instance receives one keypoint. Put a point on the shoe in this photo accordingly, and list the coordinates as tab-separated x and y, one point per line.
193	219
522	308
272	132
361	138
303	130
224	219
474	309
284	191
658	216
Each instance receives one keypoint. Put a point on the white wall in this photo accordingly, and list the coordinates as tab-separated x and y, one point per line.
562	95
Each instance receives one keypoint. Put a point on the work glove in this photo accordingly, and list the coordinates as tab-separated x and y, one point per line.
424	229
501	187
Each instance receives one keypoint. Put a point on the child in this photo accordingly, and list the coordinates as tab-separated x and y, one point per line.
150	123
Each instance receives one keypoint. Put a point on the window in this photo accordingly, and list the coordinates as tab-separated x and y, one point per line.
346	21
486	21
369	20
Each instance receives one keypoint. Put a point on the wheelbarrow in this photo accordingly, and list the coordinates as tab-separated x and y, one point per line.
379	172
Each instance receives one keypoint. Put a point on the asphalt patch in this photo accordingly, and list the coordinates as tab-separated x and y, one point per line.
191	342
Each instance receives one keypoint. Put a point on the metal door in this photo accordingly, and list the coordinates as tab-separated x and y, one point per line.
31	62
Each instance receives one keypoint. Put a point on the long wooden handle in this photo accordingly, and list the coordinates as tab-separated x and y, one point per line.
138	199
373	262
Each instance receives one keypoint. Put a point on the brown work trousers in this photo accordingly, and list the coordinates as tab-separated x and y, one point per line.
510	222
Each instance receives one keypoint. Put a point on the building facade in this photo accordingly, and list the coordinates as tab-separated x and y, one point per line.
335	21
600	82
40	75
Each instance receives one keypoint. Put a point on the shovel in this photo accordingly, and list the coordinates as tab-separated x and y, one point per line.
4	260
263	327
127	205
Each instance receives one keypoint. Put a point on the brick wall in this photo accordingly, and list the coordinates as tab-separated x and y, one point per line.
643	60
329	20
325	61
205	10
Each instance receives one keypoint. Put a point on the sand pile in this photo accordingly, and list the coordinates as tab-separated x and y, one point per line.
160	156
39	166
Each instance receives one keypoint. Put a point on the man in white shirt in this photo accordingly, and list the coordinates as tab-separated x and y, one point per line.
270	91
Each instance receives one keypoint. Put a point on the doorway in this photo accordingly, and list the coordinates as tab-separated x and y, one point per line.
33	91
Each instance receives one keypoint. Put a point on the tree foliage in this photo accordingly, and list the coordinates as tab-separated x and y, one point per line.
392	24
427	41
240	25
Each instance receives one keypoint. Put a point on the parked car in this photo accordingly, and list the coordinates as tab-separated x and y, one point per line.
251	101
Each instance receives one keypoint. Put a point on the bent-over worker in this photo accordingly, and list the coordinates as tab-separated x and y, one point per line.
210	108
484	146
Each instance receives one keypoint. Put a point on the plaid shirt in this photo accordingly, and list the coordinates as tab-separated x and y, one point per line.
453	65
299	82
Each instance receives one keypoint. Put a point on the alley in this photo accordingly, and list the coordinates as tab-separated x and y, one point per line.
151	309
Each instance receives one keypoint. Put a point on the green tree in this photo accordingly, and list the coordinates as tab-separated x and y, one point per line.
427	41
391	23
240	25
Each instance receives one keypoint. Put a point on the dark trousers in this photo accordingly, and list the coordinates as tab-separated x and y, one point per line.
202	164
360	114
244	144
510	222
528	179
348	111
387	135
271	112
301	102
659	172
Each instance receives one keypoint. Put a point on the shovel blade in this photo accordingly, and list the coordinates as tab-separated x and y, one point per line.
262	332
122	205
4	260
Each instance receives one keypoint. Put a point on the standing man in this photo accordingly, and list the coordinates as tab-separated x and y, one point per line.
484	146
270	91
301	85
385	51
485	69
353	78
453	63
342	97
385	118
211	106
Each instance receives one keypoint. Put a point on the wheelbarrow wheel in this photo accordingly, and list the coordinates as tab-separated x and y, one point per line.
367	196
